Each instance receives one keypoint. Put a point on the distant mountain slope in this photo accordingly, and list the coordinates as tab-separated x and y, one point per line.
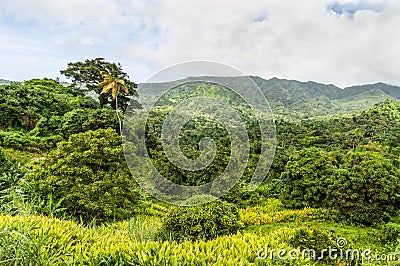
291	99
4	81
393	91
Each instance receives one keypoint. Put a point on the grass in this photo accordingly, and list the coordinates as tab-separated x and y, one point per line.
364	237
266	220
40	240
23	157
144	228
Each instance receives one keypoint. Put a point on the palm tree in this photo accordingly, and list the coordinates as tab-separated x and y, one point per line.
115	84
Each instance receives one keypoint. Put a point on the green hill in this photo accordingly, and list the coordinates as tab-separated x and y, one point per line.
294	100
4	81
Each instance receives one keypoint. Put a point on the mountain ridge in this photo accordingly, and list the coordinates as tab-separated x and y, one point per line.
294	100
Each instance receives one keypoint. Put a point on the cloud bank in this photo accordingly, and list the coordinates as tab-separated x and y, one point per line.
342	42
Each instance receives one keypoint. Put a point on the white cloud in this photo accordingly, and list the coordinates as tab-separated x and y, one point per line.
303	42
358	2
286	38
68	14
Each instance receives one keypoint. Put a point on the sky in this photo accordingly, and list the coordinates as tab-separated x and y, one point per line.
340	42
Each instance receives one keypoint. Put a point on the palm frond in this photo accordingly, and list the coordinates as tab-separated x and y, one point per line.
113	83
107	87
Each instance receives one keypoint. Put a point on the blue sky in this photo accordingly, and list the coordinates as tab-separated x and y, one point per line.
342	42
351	7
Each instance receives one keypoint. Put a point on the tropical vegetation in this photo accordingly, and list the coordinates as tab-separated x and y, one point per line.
68	197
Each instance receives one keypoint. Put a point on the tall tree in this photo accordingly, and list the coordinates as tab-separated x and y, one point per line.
115	85
88	74
89	172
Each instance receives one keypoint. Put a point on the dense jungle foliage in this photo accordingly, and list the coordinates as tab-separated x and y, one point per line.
67	196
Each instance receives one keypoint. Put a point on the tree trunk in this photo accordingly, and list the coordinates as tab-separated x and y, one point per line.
119	119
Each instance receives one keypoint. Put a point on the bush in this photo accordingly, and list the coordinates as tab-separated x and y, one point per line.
16	140
89	175
261	215
5	164
27	142
259	196
76	121
306	178
315	238
201	222
390	234
366	189
13	187
22	105
72	122
101	118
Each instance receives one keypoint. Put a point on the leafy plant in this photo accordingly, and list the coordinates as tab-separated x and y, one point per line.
389	234
363	185
316	239
366	189
88	177
14	188
305	181
144	228
201	222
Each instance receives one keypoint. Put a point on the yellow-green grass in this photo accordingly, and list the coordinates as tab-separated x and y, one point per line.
61	242
58	242
23	157
272	212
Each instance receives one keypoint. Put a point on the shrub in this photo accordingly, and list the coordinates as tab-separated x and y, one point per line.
28	142
22	105
72	122
76	121
314	238
89	174
366	189
201	222
266	215
306	179
101	118
260	196
5	164
390	234
16	140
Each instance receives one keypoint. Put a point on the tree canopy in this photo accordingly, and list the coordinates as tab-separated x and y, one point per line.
88	74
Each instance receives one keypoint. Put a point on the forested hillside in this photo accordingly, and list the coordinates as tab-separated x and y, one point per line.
36	114
4	81
295	100
67	195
